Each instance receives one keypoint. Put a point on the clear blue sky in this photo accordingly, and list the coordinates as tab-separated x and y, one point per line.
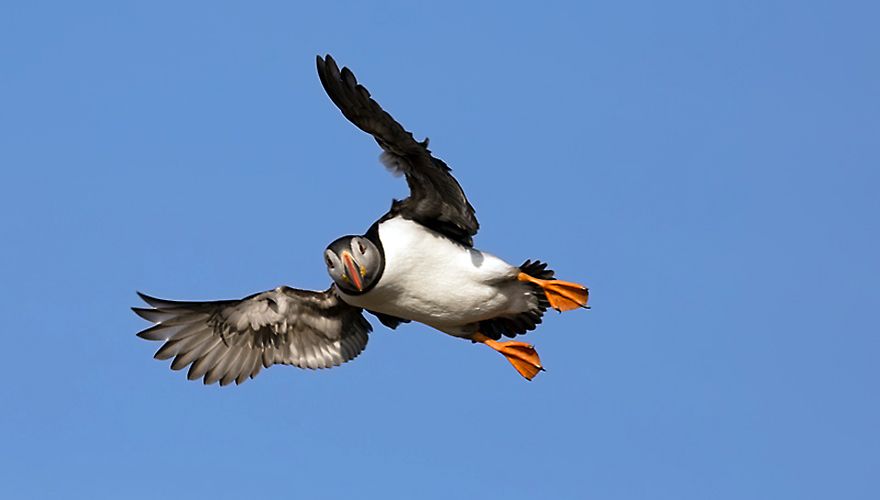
709	169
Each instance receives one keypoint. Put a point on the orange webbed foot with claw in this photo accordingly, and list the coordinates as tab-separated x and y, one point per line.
522	356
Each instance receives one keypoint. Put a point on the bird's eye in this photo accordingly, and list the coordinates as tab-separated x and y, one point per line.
361	247
328	261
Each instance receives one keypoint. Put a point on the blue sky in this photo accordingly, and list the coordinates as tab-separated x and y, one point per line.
709	169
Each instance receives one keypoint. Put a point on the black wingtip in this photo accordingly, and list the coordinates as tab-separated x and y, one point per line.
328	72
324	62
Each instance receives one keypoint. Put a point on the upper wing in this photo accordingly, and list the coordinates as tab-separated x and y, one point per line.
231	340
436	199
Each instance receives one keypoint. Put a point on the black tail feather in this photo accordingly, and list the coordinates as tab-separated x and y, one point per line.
537	269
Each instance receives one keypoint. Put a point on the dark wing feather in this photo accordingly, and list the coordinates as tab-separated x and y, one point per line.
436	199
232	340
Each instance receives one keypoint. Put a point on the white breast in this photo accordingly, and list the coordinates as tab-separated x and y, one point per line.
431	279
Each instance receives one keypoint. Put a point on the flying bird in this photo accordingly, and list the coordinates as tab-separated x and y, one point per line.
415	263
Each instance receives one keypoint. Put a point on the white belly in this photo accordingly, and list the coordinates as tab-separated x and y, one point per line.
432	280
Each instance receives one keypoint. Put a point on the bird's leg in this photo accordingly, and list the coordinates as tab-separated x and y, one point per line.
562	295
522	356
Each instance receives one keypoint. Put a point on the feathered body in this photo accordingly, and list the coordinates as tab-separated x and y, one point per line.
434	280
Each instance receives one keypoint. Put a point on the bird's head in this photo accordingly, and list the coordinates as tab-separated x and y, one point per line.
354	263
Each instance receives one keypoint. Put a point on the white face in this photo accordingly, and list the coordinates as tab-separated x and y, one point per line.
353	262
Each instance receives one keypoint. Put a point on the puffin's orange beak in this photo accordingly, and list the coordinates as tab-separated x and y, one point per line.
352	271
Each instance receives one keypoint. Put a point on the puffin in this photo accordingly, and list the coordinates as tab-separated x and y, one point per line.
417	262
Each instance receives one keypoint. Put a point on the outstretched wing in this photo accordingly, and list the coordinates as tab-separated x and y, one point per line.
231	340
436	199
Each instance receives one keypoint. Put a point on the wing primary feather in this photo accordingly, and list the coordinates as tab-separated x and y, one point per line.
186	357
159	332
152	315
167	351
221	369
207	361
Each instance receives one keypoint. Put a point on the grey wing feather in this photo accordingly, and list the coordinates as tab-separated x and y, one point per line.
232	340
436	198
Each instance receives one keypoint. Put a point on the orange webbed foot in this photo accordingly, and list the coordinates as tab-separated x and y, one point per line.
521	355
562	295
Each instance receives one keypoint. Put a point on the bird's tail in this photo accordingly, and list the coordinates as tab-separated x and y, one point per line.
560	295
